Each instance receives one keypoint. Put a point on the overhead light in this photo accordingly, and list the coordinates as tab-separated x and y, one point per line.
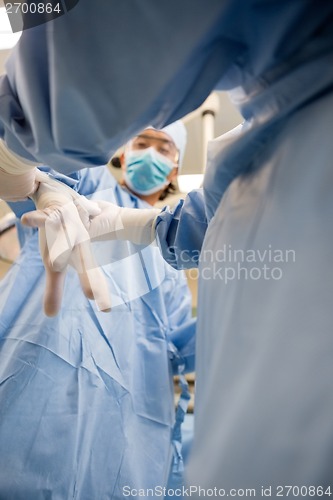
7	38
187	183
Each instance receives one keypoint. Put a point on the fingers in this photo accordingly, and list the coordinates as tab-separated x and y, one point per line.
106	225
54	287
64	229
92	279
64	239
61	229
83	214
61	234
61	189
54	282
69	242
89	206
36	218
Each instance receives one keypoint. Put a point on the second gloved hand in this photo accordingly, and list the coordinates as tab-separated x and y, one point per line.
117	223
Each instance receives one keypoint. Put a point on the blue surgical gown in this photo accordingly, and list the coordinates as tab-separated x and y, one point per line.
86	398
259	233
264	344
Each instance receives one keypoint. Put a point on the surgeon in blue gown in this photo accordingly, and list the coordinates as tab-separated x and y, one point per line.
86	398
264	345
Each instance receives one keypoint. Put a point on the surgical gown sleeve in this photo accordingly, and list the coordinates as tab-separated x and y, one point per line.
181	331
180	233
70	97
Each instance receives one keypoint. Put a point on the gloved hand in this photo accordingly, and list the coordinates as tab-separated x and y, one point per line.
17	175
117	223
64	240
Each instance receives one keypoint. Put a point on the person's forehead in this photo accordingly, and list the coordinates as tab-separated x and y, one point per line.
156	134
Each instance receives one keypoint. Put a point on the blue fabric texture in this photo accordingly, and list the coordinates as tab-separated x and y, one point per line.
180	232
87	397
74	106
262	414
264	364
75	103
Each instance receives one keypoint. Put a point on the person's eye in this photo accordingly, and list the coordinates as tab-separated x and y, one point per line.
164	151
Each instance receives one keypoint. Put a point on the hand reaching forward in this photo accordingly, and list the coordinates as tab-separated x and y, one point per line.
63	240
118	223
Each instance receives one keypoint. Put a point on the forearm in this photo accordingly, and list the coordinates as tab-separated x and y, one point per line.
17	176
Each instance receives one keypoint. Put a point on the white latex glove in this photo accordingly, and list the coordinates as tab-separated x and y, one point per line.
17	175
117	223
64	240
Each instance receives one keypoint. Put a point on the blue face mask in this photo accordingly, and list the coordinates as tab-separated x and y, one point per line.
147	170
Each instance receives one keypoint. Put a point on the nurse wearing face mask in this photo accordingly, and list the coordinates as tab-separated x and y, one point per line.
93	395
152	160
